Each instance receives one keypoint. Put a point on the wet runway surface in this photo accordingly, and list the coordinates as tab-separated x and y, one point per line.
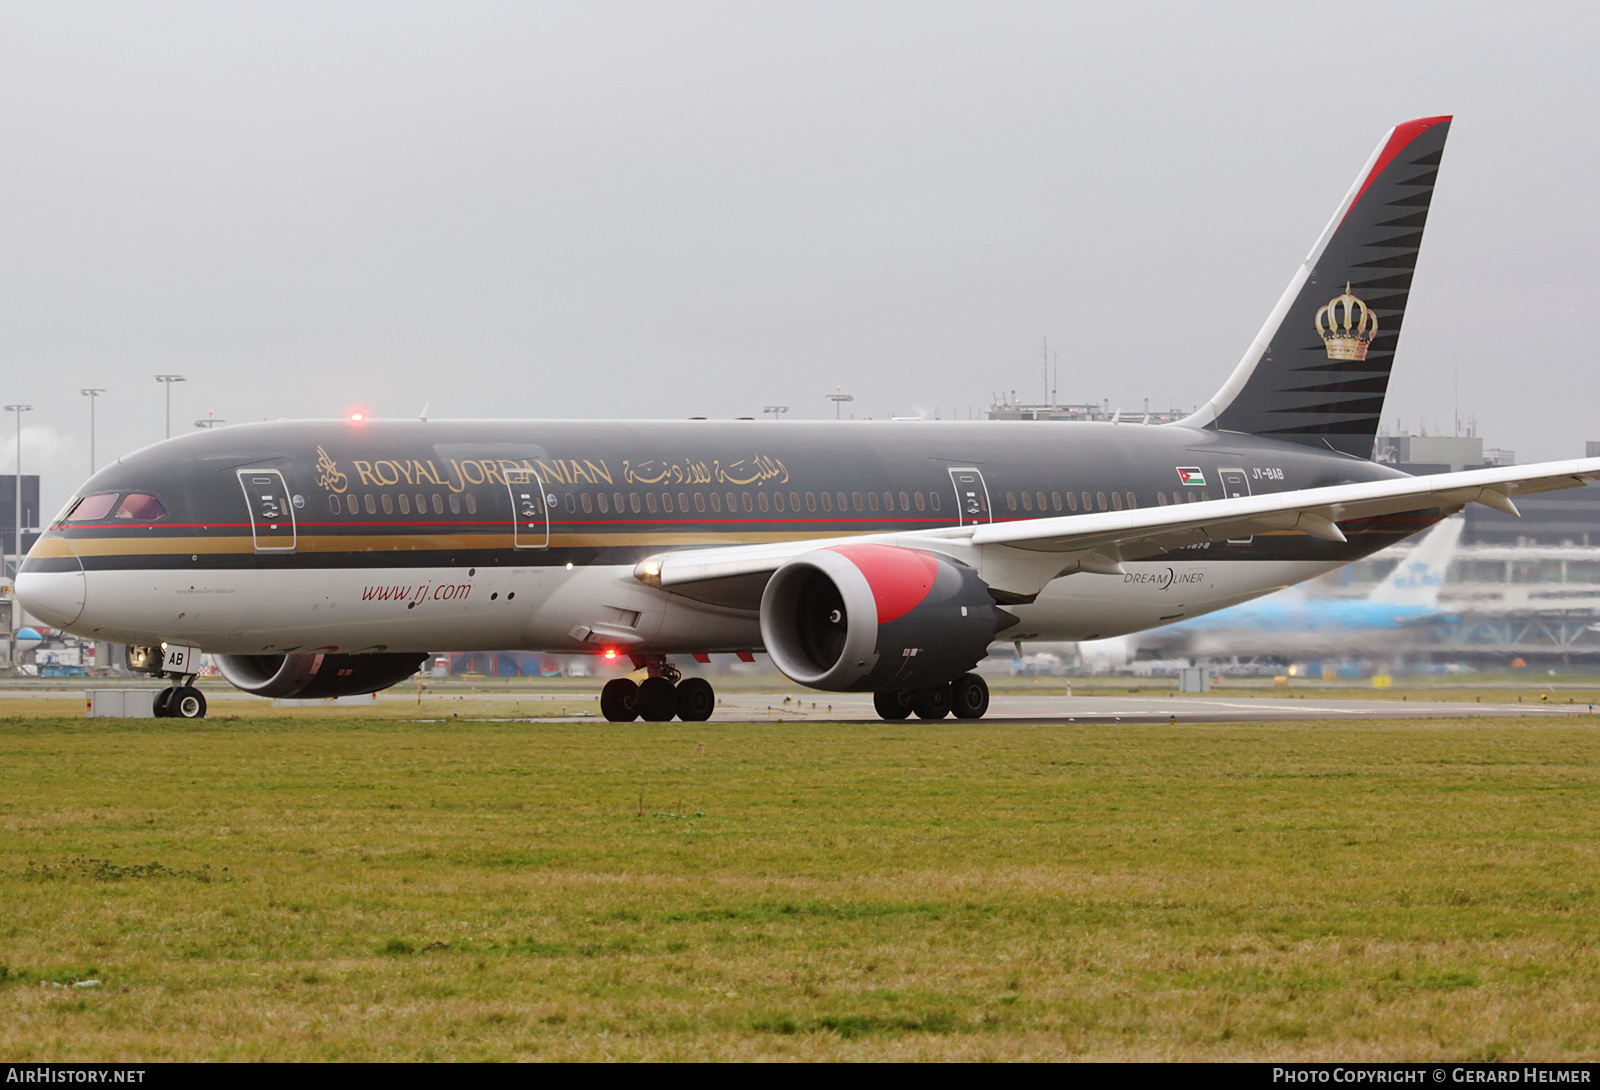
1011	708
1150	709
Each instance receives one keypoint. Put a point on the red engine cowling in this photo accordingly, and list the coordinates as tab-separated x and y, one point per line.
316	677
867	618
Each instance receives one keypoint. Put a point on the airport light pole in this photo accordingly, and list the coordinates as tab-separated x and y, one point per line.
19	410
91	392
839	397
777	411
210	421
167	381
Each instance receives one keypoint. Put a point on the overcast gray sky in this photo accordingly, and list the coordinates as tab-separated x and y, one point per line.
674	209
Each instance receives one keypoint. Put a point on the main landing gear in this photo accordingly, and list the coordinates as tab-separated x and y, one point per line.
967	697
662	695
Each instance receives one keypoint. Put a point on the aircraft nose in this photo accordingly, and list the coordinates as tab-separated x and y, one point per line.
56	596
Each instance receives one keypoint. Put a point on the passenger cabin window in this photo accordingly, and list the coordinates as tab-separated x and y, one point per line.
92	508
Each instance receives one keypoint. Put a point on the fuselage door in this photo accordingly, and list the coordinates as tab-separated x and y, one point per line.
271	512
530	514
1234	486
972	496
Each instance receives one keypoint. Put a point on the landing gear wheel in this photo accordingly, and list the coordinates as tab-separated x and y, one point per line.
657	701
932	703
186	702
892	706
695	699
969	696
163	698
619	700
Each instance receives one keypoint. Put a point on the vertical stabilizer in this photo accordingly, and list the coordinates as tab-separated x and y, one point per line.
1417	579
1318	370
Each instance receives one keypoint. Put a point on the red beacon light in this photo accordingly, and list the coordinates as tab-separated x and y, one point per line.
357	417
611	653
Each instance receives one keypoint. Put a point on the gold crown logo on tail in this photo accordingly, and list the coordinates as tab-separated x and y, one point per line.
1347	326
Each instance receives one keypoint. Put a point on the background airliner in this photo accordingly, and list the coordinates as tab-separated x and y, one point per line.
329	557
1290	622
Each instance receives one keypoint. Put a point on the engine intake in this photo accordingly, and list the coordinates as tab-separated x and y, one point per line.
868	618
315	677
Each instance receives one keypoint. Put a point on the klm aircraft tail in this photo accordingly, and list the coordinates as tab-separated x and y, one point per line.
1417	579
1318	370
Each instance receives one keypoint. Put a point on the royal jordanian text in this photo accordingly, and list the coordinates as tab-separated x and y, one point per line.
461	473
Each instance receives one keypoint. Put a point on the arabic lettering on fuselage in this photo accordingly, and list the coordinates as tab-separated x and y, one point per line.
460	473
757	470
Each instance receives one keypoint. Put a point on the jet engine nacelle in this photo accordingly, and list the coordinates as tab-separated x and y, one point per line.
869	618
315	677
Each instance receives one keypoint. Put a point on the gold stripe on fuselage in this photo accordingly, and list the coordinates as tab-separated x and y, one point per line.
55	545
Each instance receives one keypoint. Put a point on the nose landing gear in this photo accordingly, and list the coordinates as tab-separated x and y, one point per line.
180	701
660	697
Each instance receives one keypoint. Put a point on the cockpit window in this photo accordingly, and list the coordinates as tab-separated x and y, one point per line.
140	507
91	508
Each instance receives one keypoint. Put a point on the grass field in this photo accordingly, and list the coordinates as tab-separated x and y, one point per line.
316	887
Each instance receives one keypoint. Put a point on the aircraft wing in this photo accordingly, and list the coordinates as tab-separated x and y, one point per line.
1018	558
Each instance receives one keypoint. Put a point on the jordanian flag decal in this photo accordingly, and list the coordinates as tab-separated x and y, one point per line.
1191	477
